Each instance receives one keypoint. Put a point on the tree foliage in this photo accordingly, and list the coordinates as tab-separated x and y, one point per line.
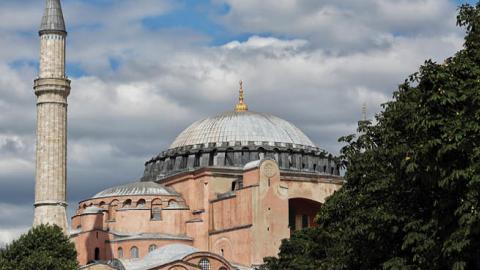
42	248
412	193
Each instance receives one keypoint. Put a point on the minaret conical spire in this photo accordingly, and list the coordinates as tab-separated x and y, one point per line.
52	19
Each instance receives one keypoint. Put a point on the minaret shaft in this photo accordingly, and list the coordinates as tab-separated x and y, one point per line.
52	89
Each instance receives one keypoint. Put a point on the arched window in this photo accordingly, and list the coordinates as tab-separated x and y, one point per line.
101	204
120	252
134	253
196	163
171	164
112	210
325	168
211	158
204	264
245	155
172	203
229	157
127	203
152	247
184	161
141	203
156	212
261	153
290	159
276	155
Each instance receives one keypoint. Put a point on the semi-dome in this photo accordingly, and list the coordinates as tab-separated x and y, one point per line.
244	127
137	189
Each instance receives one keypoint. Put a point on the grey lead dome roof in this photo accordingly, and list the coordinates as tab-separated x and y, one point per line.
242	127
137	188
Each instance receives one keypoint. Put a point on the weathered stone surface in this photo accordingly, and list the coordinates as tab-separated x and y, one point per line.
52	89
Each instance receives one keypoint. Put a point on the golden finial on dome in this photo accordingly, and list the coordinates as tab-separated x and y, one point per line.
241	106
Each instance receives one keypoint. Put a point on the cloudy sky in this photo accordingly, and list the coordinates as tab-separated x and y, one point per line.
143	70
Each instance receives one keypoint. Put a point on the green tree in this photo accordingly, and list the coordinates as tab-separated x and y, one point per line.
412	193
42	248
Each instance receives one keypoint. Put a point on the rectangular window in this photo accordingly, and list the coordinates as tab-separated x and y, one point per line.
291	219
304	221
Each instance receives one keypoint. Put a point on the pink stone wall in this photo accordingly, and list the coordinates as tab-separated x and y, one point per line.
244	229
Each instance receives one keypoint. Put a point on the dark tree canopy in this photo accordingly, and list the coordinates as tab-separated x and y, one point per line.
412	193
42	248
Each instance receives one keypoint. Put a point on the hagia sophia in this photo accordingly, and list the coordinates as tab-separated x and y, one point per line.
223	195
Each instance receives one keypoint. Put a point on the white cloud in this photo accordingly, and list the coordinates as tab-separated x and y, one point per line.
322	60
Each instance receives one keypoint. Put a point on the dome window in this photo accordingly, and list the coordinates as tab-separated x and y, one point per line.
184	161
211	158
134	253
141	203
120	252
127	203
152	247
229	157
196	163
204	264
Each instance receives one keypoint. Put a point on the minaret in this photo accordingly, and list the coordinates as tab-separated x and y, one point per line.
52	88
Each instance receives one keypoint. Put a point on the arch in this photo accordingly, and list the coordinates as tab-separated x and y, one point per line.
127	203
229	157
204	264
223	247
120	252
197	256
134	254
101	204
156	210
152	247
302	213
141	203
112	210
177	267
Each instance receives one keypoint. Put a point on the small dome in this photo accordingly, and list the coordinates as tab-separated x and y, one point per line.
242	127
160	256
137	188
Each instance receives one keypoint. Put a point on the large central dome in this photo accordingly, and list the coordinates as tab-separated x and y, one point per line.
245	127
233	139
